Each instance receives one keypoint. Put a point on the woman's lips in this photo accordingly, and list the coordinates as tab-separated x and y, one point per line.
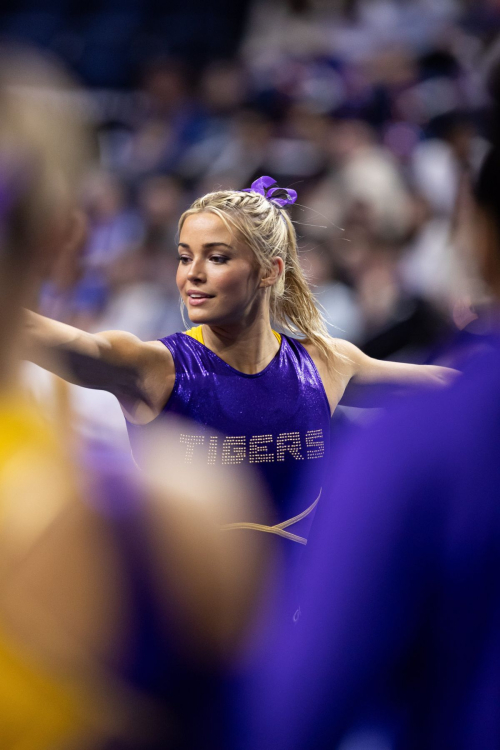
195	300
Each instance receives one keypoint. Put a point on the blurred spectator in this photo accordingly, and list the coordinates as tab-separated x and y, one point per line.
244	154
395	322
359	172
161	201
337	300
224	87
143	294
114	226
286	28
173	119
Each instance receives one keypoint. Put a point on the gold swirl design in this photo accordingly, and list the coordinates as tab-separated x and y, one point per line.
280	528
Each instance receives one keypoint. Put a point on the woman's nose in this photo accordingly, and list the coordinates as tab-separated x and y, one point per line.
196	271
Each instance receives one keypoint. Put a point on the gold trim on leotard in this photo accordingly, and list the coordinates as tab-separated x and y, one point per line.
279	528
197	333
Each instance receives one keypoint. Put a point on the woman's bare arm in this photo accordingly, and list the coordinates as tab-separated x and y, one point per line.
116	361
351	378
370	380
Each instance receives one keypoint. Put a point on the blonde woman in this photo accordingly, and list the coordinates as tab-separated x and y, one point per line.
254	395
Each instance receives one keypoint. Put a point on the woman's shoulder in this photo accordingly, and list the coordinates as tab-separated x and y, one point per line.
334	367
340	357
181	339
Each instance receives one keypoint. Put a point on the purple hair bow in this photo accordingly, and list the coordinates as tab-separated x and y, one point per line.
264	186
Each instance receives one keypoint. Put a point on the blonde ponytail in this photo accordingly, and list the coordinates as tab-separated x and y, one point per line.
295	309
268	231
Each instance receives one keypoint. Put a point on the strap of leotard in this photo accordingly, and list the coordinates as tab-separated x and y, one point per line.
197	333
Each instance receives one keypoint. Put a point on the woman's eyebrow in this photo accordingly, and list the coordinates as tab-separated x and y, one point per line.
208	245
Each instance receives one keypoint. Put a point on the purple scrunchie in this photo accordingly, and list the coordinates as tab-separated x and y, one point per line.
263	186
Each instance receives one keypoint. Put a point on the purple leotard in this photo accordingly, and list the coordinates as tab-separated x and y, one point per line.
276	420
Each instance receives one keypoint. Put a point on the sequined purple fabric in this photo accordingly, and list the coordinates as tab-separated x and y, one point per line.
277	420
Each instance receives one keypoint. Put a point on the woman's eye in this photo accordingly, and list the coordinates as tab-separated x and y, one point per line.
219	259
184	259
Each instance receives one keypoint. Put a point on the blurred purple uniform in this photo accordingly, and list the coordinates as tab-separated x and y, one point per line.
403	584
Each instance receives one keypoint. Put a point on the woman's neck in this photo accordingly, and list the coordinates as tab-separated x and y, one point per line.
247	347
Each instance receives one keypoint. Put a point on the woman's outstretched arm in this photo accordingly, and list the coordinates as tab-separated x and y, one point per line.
114	361
370	380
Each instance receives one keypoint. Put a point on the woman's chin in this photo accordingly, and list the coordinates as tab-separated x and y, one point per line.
199	316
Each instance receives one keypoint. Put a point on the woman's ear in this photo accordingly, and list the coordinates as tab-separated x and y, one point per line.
273	274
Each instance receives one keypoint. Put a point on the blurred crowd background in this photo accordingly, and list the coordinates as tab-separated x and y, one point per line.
373	110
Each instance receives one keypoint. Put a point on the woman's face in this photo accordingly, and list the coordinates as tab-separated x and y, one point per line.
218	278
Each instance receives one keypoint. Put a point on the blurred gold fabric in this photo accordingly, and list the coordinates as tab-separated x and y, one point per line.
38	710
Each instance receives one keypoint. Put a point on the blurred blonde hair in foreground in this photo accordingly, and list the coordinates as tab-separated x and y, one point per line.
66	611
